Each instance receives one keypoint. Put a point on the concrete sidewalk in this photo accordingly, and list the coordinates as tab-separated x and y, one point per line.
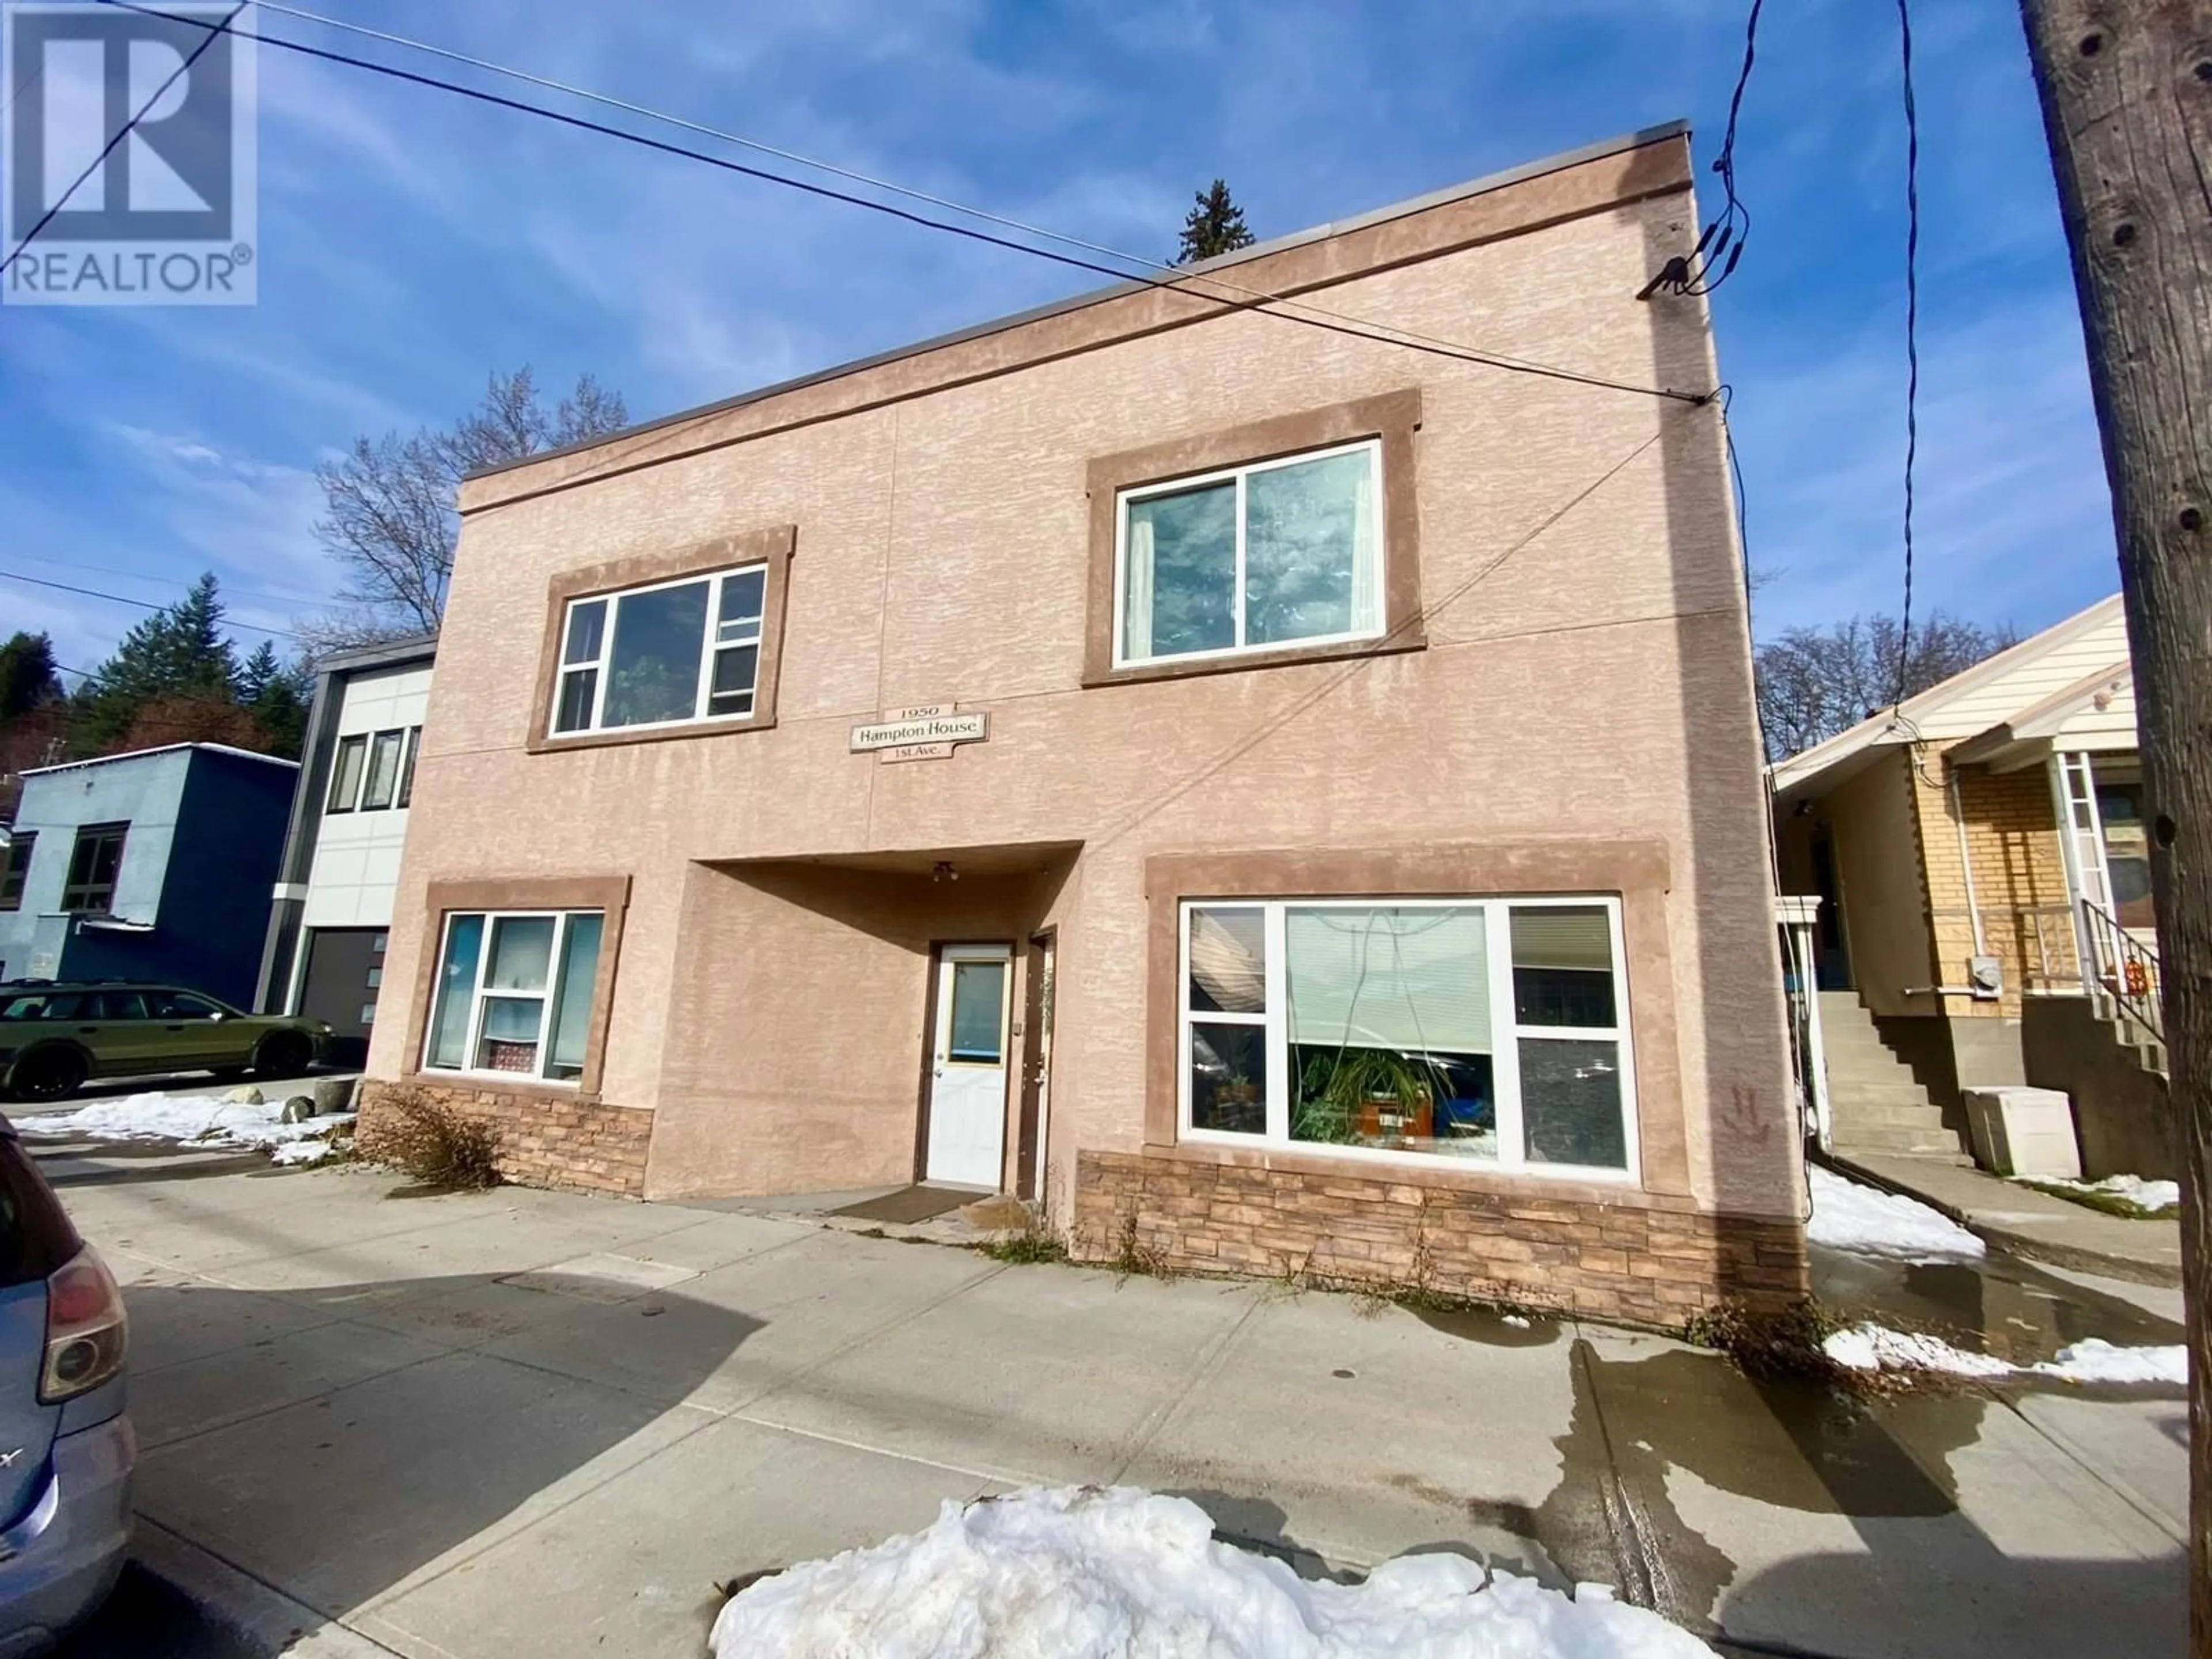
474	1426
2032	1224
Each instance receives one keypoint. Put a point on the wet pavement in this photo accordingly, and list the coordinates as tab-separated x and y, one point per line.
569	1470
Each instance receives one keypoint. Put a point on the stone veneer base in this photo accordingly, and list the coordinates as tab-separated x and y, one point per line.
545	1139
1630	1262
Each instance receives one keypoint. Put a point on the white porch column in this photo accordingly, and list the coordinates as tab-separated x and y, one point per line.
1798	916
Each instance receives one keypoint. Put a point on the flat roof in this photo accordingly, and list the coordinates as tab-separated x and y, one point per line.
159	748
385	653
1435	198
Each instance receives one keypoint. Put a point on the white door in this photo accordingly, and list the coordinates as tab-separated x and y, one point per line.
968	1066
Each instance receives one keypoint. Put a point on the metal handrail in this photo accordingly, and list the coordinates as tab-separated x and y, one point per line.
2121	966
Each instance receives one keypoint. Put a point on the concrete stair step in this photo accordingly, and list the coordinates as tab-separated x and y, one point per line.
1843	1094
1869	1074
1949	1154
1883	1138
1925	1118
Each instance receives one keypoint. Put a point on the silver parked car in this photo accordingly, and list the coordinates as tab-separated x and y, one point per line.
66	1448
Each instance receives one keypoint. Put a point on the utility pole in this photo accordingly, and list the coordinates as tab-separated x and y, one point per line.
2127	102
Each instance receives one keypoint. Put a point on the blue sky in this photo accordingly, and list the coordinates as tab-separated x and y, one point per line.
412	241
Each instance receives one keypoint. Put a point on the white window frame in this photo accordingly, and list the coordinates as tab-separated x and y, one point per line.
1506	1032
473	1036
393	740
708	645
332	803
1140	493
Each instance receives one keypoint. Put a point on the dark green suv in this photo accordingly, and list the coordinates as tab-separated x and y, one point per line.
54	1034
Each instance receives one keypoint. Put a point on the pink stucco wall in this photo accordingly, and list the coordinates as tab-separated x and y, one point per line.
1586	676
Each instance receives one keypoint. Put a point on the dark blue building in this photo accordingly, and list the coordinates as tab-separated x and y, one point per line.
157	865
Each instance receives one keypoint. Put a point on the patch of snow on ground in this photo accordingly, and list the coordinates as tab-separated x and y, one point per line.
2092	1359
1089	1573
1878	1348
195	1119
2149	1194
1870	1348
1847	1216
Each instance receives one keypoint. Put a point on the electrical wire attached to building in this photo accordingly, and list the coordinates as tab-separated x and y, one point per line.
1721	243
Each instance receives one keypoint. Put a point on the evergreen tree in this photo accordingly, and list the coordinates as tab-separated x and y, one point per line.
28	676
276	695
258	674
1215	226
177	652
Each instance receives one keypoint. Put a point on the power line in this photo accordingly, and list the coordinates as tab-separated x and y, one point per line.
890	186
142	604
278	596
1721	241
1181	286
1912	331
214	32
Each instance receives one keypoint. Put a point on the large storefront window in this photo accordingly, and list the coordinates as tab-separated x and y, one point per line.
1485	1030
514	993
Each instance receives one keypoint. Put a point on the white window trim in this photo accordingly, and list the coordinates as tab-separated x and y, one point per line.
332	806
473	1037
1139	493
708	645
1506	1034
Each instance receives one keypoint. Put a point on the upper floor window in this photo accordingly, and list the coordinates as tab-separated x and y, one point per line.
663	655
95	863
383	780
373	771
346	773
1280	552
407	769
15	870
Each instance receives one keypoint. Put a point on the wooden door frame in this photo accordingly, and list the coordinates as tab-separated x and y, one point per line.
938	947
1036	1015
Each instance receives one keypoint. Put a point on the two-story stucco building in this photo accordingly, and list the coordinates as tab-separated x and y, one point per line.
1287	796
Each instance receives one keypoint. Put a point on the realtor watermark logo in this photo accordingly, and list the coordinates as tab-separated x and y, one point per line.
165	214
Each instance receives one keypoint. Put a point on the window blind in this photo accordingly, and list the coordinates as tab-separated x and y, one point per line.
1388	978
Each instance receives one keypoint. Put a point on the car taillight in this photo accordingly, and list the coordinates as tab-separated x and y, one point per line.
86	1330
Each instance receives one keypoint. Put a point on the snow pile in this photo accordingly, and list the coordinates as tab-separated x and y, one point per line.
1877	1348
2092	1359
1095	1573
1849	1216
2153	1195
199	1120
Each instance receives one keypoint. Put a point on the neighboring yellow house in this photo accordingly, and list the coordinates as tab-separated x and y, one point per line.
1983	946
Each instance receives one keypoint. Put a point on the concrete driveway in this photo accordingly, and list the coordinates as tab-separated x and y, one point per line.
470	1426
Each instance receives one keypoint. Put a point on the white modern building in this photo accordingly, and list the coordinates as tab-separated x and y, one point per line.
324	953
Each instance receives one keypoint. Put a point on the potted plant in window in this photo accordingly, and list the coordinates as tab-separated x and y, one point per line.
1373	1096
1236	1102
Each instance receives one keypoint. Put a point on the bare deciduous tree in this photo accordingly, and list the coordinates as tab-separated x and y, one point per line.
1816	681
389	515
